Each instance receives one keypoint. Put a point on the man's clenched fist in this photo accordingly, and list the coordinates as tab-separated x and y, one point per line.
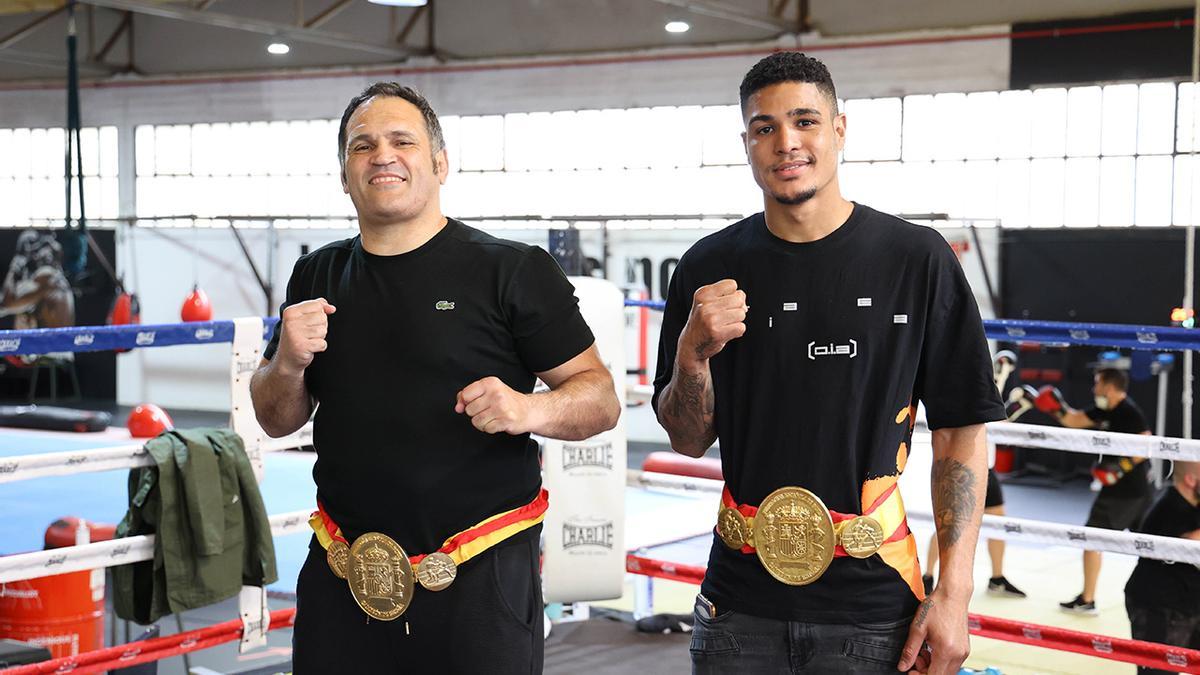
718	316
494	408
302	331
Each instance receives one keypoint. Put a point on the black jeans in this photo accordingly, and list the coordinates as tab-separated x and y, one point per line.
1165	626
739	643
488	621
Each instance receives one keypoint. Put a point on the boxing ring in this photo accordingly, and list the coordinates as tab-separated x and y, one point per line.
33	465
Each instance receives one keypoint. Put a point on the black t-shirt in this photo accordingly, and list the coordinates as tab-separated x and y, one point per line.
1127	418
842	336
410	331
1158	583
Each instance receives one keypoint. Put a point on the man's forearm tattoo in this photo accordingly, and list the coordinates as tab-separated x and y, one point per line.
691	401
953	498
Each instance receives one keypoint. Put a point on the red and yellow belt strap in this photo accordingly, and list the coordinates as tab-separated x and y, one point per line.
462	546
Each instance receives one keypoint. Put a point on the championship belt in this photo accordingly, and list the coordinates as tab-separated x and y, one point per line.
796	537
382	576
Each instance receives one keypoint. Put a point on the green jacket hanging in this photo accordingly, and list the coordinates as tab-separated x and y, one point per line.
201	500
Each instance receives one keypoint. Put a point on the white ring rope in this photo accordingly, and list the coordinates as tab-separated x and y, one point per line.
24	467
1093	442
1170	549
101	554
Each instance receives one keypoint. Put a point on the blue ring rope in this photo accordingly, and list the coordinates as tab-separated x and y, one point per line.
104	338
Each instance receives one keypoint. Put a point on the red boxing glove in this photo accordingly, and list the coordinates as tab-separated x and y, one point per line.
1050	401
1109	471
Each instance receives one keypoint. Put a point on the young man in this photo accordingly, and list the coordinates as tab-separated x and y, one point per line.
1162	598
803	337
417	343
1125	493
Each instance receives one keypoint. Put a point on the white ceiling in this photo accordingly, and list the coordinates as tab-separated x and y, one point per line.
205	36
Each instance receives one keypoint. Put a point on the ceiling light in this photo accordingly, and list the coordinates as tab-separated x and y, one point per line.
278	48
677	27
399	3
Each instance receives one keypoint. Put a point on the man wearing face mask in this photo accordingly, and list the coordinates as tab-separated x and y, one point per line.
1126	490
1163	598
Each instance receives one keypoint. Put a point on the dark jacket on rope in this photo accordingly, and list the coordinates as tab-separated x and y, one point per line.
202	501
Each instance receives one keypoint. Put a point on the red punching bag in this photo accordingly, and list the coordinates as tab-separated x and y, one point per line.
148	420
125	310
196	306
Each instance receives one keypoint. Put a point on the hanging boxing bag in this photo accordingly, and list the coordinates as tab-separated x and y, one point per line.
196	306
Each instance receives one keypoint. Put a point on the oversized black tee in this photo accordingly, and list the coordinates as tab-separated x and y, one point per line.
843	336
410	332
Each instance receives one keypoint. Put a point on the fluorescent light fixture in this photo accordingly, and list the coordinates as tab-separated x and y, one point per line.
278	48
399	3
677	27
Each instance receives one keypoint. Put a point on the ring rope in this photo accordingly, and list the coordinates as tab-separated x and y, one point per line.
21	566
1091	442
109	458
1142	653
154	649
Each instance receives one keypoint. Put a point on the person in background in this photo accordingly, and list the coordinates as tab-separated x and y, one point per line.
1163	598
1125	493
993	501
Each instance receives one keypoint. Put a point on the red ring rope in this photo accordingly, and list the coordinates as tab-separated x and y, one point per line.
1150	654
144	651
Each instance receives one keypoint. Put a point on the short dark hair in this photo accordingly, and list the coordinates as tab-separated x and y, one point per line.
432	126
787	67
1117	378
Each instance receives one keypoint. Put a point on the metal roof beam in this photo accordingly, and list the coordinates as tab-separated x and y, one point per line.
272	28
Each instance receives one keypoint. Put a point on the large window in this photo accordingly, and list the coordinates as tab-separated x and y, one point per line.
31	174
1114	155
1077	157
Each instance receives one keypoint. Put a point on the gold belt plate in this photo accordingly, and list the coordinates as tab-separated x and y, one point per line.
338	557
380	576
436	571
793	536
861	536
733	528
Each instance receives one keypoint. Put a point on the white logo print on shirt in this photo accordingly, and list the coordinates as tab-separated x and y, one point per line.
849	349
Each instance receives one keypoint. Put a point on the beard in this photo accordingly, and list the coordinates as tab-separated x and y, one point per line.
797	198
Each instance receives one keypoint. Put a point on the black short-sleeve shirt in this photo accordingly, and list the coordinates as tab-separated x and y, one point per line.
842	336
1158	583
410	331
1127	418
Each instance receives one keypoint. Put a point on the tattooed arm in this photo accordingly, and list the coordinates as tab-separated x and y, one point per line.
687	406
958	486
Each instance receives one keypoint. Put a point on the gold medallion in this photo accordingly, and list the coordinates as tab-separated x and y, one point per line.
861	537
732	528
436	571
338	557
380	576
793	536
